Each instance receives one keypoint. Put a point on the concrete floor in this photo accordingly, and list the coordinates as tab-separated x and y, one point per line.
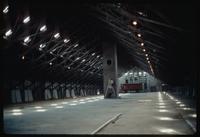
142	113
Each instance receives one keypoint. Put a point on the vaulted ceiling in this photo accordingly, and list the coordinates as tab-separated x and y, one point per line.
162	42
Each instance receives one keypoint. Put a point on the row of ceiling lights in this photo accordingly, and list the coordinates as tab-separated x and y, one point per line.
43	28
135	23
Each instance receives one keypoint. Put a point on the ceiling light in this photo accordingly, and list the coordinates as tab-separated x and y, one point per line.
8	33
42	45
139	35
50	63
144	50
147	58
26	20
142	44
83	60
93	54
140	13
98	56
146	55
77	58
68	67
76	46
43	28
27	39
57	35
6	9
148	61
66	40
134	23
23	57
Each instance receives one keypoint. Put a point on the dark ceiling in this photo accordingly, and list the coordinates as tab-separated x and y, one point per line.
168	32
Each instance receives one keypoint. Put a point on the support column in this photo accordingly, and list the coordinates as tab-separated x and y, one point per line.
110	70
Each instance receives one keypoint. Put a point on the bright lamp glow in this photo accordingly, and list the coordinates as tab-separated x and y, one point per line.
139	35
42	45
23	57
93	54
76	46
66	40
26	20
140	73
8	33
98	56
147	58
50	63
146	55
57	35
43	28
144	50
134	23
27	39
6	9
142	44
83	60
77	58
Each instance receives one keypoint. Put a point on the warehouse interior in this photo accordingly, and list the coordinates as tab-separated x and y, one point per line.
99	67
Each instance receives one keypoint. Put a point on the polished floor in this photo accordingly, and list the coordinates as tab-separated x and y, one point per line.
141	113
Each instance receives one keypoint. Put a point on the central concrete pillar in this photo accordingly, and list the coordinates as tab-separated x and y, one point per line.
110	70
